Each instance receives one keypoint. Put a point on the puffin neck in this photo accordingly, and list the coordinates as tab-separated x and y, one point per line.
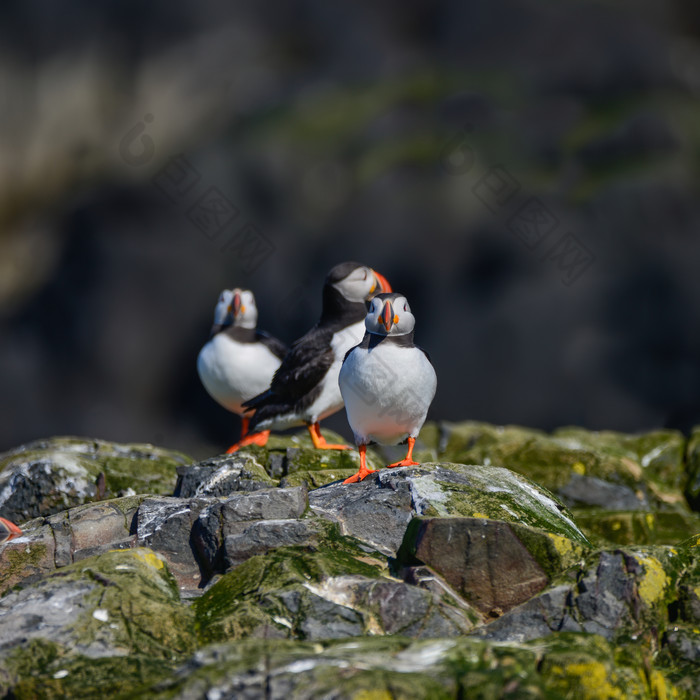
240	334
372	340
337	311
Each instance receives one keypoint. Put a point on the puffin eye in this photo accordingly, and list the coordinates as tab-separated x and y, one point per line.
405	307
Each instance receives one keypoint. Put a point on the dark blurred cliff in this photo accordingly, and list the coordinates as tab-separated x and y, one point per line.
526	172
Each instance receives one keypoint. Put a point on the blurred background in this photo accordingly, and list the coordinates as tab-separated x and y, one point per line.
527	172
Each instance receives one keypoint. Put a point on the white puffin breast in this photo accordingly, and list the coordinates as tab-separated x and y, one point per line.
387	391
329	399
234	372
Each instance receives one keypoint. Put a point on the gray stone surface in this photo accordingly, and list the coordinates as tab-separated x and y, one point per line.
264	535
221	476
49	476
165	525
483	560
608	599
376	511
230	518
590	491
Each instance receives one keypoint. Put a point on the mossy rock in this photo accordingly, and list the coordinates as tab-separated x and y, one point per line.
266	594
49	543
590	668
473	490
692	486
584	468
632	595
293	458
316	478
47	476
119	612
381	668
636	527
52	672
492	564
680	657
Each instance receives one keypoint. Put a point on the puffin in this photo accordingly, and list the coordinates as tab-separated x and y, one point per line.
305	389
387	382
238	361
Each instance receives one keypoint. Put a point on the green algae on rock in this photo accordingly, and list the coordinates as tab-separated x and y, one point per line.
60	539
628	527
295	461
488	491
47	476
380	668
113	606
262	595
629	595
584	468
377	510
308	572
692	486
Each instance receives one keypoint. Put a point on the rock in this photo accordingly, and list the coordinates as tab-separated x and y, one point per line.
265	535
620	471
232	518
489	574
636	527
290	459
165	526
618	594
48	476
572	666
493	565
221	476
680	658
378	509
104	607
330	590
375	511
29	557
59	540
692	486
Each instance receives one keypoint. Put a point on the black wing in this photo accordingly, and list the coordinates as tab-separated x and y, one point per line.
297	380
275	346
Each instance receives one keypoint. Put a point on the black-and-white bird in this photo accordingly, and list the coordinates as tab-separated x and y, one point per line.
238	361
386	381
305	387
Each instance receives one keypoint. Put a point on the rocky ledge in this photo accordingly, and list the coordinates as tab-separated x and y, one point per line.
510	563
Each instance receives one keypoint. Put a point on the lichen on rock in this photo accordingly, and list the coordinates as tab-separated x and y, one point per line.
47	476
262	574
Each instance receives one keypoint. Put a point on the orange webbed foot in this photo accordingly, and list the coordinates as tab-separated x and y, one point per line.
8	530
403	463
408	460
320	442
252	439
359	476
363	472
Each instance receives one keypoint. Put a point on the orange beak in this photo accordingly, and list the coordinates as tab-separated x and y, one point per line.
383	283
387	318
236	304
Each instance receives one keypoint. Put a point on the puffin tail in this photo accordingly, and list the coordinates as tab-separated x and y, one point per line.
257	401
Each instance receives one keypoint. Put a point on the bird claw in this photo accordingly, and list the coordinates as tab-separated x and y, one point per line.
259	439
403	463
359	476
